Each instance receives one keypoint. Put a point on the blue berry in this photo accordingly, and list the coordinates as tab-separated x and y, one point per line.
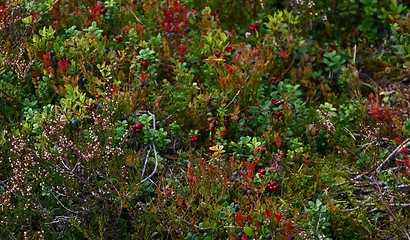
261	222
265	76
74	122
99	106
147	84
142	84
84	80
268	236
237	206
196	16
188	29
179	35
170	35
249	191
240	235
253	62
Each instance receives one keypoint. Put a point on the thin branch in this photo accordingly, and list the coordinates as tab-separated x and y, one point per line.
405	143
156	163
236	95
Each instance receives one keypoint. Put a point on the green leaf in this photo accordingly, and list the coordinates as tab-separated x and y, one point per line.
408	125
27	20
248	231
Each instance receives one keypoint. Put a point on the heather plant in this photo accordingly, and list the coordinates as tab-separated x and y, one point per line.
204	120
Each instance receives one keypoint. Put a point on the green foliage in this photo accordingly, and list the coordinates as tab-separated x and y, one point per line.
204	119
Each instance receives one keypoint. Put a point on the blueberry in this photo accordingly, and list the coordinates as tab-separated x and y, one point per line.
179	35
265	76
239	52
84	80
53	18
142	84
240	235
253	62
99	105
268	236
237	206
147	84
261	222
74	122
188	29
249	191
209	18
170	35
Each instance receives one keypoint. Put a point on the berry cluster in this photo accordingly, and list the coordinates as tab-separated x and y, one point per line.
137	127
194	138
273	186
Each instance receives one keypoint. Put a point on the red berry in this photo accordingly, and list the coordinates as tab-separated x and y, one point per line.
278	113
229	49
275	187
262	172
276	102
118	38
403	150
318	80
218	54
137	127
271	188
144	64
227	100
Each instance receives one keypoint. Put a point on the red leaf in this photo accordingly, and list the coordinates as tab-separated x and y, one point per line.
398	140
268	213
278	141
239	218
278	217
283	54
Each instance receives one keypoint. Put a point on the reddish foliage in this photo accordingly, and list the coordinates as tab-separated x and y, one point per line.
239	218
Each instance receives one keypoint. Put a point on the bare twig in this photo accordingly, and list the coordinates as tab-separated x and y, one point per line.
236	95
405	143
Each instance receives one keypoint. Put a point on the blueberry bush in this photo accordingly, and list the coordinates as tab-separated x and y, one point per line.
184	119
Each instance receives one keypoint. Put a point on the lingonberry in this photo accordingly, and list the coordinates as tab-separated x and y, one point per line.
318	80
137	127
218	54
262	172
144	64
276	102
118	38
278	113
